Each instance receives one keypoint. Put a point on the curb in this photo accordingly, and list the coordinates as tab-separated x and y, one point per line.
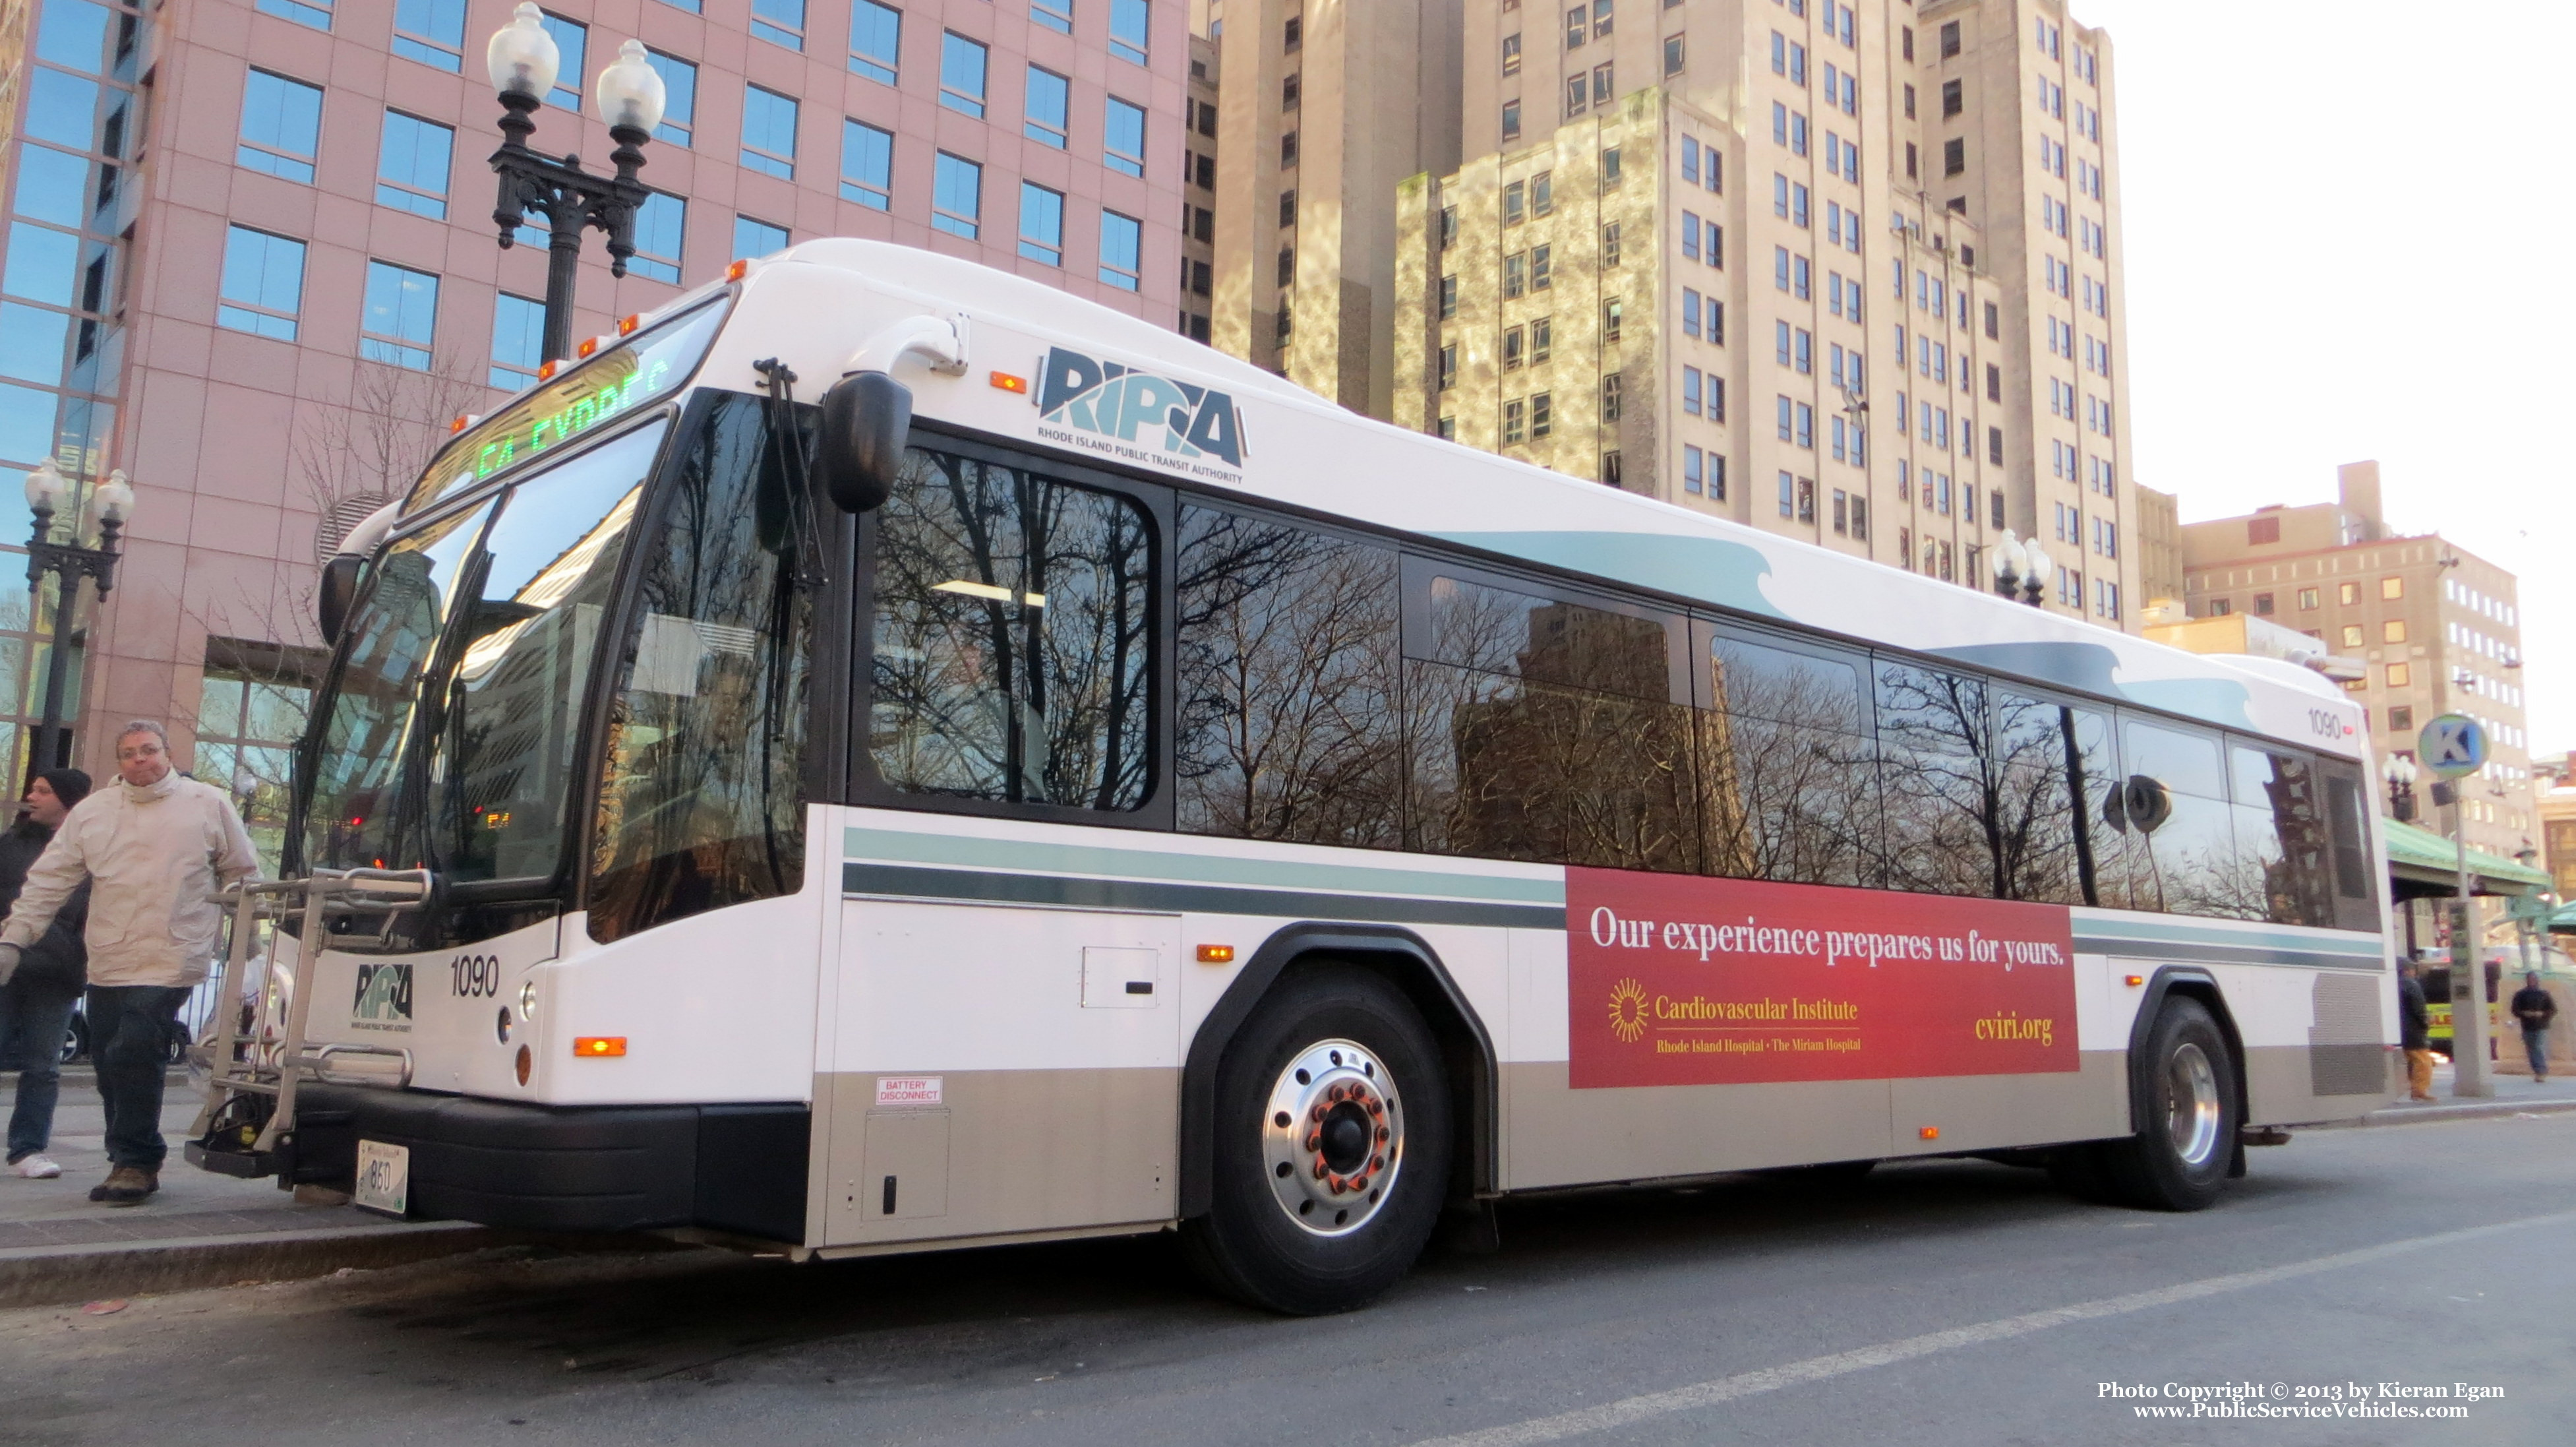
57	1275
2432	1114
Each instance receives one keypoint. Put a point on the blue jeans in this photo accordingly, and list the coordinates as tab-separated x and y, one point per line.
2535	1044
129	1037
32	1025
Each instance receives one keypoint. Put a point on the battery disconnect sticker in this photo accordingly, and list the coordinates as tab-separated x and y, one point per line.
908	1089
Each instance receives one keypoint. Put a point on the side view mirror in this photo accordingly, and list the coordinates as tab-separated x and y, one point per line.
867	423
2147	803
337	593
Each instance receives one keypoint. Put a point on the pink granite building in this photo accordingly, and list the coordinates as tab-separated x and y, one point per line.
251	261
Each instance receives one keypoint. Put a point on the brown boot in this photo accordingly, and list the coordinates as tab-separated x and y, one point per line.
126	1186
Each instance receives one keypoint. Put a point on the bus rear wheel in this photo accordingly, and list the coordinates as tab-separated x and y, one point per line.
1332	1147
2186	1136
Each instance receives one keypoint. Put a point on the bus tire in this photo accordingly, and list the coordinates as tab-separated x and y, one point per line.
2186	1133
1323	1213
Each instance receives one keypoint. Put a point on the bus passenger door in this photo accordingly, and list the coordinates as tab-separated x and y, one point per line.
999	1069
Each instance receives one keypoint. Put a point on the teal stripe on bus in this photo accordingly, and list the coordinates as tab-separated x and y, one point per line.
904	846
1162	897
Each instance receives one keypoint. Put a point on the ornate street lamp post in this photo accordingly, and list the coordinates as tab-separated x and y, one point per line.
2399	771
523	61
2022	568
110	505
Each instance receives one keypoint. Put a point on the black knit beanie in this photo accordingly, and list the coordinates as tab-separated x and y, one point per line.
69	785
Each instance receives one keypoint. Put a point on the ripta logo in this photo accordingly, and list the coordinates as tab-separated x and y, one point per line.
383	1000
1179	420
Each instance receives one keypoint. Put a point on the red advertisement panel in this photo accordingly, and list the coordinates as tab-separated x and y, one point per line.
1677	980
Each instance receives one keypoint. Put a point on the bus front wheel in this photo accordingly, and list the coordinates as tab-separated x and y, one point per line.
2186	1135
1332	1148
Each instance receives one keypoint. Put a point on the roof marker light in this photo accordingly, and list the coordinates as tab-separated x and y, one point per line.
588	346
1008	383
737	271
546	373
595	1047
626	325
458	425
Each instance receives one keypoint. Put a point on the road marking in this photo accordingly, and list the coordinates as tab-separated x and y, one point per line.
1815	1369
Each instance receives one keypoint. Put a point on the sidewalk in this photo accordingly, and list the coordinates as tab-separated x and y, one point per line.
2514	1095
200	1229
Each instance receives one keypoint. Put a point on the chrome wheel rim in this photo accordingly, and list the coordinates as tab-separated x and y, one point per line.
2191	1105
1332	1137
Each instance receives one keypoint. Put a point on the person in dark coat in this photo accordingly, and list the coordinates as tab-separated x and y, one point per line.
2533	1007
2415	1032
36	999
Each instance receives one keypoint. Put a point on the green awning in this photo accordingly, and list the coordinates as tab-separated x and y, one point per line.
2421	857
2563	921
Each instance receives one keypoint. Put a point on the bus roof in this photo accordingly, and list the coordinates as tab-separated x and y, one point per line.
1051	370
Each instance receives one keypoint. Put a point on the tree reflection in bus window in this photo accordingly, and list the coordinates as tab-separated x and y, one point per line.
1943	780
2032	828
1288	682
501	761
2281	849
1507	761
700	802
1788	786
2098	783
359	815
1013	652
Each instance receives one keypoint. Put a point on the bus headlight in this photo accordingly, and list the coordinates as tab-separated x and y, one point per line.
528	1000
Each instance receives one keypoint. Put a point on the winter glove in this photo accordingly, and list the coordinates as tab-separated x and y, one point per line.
8	962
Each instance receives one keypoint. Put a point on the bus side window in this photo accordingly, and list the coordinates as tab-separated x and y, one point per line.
2184	862
1935	747
2356	903
1545	730
2095	762
2034	833
1013	638
1788	788
2281	835
1288	681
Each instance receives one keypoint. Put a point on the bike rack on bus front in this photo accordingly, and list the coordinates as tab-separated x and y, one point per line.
245	1067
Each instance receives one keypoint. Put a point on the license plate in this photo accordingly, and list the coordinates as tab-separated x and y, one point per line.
384	1178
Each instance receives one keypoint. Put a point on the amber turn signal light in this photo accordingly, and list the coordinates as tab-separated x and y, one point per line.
1008	383
592	1047
1216	954
1929	1133
2136	980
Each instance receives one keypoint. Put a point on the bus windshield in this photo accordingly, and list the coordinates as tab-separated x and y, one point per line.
448	737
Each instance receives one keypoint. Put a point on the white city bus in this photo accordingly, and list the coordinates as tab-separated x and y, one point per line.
903	758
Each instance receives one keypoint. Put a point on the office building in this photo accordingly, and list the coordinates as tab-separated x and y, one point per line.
2438	627
1847	273
251	261
1323	109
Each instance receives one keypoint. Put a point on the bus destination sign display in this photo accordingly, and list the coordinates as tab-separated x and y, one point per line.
610	386
1675	980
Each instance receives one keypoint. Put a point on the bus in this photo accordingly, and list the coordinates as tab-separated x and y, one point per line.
880	755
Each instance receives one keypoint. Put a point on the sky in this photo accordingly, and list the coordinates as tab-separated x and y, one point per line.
2341	245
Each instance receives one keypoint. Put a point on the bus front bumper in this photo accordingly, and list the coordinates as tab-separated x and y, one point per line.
732	1168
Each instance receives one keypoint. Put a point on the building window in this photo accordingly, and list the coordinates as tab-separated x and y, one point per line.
1611	312
1806	500
317	16
401	321
1448	298
1610	245
2392	589
1055	15
1515	274
1610	398
1609	167
1953	98
2398	675
1515	203
2401	719
1514	344
1122	243
1515	422
1954	156
1512	54
876	40
1949	39
1123	136
1542	414
433	33
1672	55
1610	471
780	22
1511	120
2262	603
679	97
1041	224
263	286
1692	470
1288	90
1048	107
281	127
1449	367
411	165
1540	331
867	165
957	196
769	132
1288	208
2393	631
1130	22
1448	429
660	226
757	238
572	42
962	63
1788	493
2307	599
251	713
518	341
1287	265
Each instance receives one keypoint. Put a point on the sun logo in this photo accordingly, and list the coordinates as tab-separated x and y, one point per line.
1628	1011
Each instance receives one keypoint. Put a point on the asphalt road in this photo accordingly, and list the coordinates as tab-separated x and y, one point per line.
1936	1302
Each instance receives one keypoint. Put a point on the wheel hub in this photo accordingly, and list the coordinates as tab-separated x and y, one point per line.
1333	1137
2192	1105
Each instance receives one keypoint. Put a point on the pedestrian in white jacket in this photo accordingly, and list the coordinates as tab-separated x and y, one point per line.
154	849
